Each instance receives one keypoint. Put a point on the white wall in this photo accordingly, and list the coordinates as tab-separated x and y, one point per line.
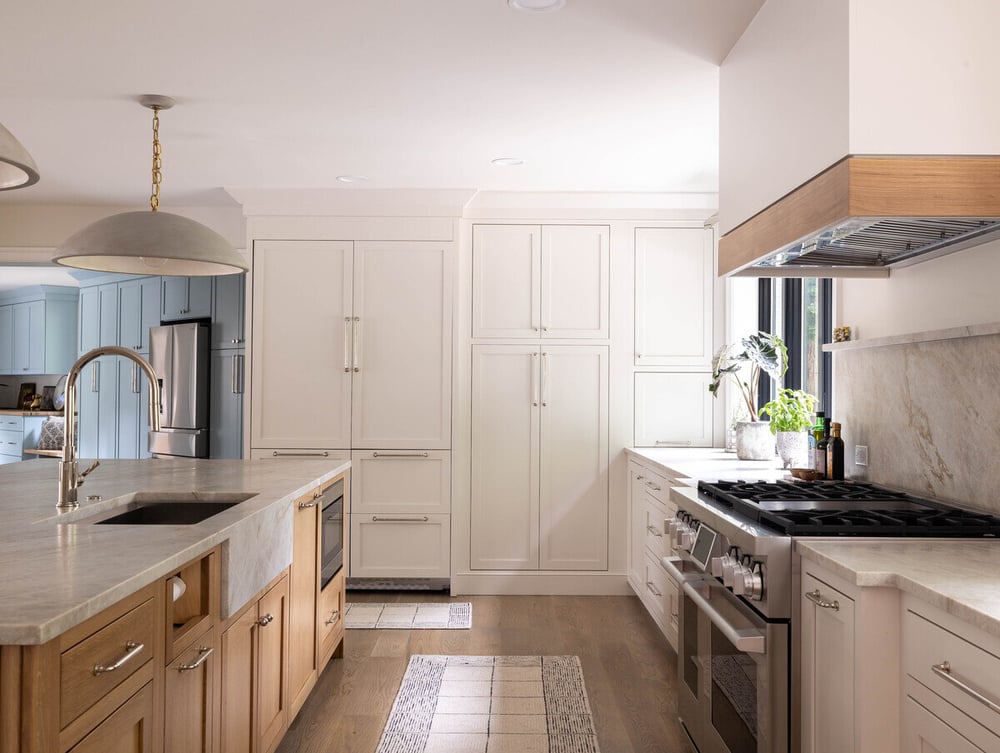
923	74
784	104
952	291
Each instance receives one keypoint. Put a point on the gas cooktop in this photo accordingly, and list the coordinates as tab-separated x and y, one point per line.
846	508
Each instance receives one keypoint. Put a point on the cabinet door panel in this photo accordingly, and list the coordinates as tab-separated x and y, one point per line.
7	339
402	310
303	591
36	337
21	338
400	546
190	698
827	671
227	311
301	344
238	684
128	730
138	310
576	262
673	296
673	409
573	508
272	678
401	481
505	416
506	271
225	439
174	298
130	408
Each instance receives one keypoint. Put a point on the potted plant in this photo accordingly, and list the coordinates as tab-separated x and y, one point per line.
791	413
762	352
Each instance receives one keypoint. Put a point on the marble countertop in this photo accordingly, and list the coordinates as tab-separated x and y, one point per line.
708	463
958	576
57	573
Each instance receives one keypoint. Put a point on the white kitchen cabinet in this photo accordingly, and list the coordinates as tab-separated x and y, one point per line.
539	457
548	281
401	482
674	276
947	709
185	298
225	423
673	409
400	546
850	665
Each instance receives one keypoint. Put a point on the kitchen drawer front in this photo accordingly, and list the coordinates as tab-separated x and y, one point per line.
657	543
401	481
10	442
12	423
932	725
80	684
330	615
927	644
659	595
656	485
400	546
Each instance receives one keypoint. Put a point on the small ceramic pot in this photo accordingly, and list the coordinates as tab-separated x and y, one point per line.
754	440
793	449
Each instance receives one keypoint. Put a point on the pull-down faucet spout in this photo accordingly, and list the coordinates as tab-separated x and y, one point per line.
70	477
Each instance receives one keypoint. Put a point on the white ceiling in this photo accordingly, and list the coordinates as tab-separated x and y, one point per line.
605	95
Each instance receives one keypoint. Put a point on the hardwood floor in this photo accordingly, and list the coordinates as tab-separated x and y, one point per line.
629	668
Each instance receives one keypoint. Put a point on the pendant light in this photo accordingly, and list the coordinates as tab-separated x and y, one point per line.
17	169
151	243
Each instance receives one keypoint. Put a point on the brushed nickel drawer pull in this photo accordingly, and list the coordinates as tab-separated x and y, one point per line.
132	649
818	600
334	617
203	653
649	586
673	443
654	487
421	519
357	343
400	454
306	505
943	670
300	454
651	530
347	343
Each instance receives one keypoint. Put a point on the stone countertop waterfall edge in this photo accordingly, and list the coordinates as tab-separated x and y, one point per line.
958	576
56	575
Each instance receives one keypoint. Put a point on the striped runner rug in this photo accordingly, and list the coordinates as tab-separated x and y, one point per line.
455	615
491	704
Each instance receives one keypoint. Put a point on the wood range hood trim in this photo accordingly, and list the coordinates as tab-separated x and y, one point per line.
870	187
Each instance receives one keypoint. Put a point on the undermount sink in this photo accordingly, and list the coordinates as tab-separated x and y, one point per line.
159	508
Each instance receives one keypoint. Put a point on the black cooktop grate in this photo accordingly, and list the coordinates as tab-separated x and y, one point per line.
845	508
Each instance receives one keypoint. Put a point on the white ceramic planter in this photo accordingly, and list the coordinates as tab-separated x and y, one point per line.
793	449
754	440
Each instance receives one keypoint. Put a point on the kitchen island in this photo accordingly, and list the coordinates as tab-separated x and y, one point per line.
97	644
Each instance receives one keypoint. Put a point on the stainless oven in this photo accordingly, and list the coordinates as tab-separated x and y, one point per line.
733	663
332	532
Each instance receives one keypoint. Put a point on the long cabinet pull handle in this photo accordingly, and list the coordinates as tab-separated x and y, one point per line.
308	505
651	530
417	519
534	380
300	454
235	373
132	650
357	343
347	343
334	617
400	454
943	670
673	443
545	378
135	379
203	653
94	376
243	373
816	598
652	590
654	487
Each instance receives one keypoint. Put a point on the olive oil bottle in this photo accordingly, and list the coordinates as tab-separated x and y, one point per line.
835	454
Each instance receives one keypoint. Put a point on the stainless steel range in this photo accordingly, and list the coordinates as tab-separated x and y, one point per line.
733	559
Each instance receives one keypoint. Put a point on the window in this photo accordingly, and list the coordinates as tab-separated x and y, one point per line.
800	310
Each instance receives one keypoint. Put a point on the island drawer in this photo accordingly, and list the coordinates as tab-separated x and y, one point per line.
331	616
961	667
100	662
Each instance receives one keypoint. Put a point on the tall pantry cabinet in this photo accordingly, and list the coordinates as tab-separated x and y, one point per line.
351	356
540	366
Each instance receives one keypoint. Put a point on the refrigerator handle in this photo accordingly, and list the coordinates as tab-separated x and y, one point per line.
94	375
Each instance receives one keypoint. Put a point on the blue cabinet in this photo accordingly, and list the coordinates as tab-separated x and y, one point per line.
38	330
225	438
185	298
228	304
6	338
138	310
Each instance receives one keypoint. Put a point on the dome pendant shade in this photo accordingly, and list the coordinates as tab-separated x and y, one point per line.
17	168
150	243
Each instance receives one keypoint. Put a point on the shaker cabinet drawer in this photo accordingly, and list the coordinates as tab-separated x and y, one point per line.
330	616
401	481
656	538
403	546
100	662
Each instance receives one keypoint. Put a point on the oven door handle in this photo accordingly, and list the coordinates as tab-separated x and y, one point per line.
750	641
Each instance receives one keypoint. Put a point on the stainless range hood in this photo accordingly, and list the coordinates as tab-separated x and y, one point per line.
864	215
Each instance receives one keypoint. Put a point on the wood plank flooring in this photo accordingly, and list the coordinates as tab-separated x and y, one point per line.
629	668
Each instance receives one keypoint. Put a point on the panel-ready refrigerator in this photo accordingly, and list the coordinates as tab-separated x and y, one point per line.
179	354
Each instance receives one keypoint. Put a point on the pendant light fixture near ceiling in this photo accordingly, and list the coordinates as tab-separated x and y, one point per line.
151	242
17	169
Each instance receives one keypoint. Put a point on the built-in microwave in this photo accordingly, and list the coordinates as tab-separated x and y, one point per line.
332	532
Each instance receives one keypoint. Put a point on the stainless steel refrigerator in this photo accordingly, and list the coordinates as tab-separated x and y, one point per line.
179	355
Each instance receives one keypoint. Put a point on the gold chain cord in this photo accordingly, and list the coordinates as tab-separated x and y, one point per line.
154	197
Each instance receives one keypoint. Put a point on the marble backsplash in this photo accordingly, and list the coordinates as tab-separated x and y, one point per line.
929	414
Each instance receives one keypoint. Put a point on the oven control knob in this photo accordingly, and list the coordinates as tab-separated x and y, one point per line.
729	572
687	539
754	580
740	573
673	532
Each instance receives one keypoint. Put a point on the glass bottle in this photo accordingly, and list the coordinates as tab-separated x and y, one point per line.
815	434
821	445
835	454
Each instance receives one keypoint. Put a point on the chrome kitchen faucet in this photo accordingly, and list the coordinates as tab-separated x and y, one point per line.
70	477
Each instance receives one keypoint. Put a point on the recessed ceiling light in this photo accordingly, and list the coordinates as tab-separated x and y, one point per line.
536	6
508	161
352	178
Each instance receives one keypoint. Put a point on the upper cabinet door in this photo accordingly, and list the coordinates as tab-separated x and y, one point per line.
227	313
402	345
575	288
506	273
138	310
6	339
673	296
302	363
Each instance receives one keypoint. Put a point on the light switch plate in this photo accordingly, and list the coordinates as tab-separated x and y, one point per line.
861	454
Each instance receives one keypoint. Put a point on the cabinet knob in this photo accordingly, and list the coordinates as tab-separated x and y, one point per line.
266	620
236	341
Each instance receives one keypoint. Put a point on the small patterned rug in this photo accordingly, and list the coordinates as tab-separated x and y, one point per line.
491	704
409	616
